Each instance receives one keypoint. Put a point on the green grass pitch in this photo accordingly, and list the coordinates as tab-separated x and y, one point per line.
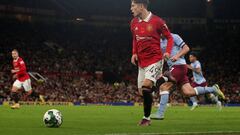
94	120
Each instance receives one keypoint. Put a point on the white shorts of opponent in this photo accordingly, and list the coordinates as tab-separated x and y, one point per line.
150	72
25	84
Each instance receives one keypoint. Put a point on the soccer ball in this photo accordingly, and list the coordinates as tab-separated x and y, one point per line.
53	118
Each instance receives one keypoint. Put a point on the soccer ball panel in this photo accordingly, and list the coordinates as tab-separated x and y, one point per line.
52	118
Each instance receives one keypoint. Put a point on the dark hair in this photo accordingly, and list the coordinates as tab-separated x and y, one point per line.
15	50
144	2
194	54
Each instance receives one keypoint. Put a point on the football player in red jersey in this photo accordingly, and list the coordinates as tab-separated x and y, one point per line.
147	29
19	72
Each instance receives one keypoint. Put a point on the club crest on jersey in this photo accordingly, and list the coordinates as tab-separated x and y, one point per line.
149	28
136	28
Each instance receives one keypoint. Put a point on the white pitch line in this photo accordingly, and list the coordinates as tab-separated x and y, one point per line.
182	133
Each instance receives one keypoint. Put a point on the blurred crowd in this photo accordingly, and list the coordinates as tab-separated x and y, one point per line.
91	64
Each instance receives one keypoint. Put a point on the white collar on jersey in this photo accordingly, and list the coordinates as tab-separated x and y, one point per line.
146	19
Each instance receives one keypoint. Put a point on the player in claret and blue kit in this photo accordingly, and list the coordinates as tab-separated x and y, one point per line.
178	74
147	29
199	80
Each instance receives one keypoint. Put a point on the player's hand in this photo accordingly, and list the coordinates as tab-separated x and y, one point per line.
13	71
166	56
174	58
189	67
134	59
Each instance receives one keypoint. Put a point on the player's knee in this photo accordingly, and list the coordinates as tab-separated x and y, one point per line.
14	89
188	90
147	83
29	92
163	88
188	93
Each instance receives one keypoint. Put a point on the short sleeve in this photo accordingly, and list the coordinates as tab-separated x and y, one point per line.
178	41
197	65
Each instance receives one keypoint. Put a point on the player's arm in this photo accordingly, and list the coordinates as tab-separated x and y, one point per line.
185	49
196	70
167	34
180	43
15	70
134	58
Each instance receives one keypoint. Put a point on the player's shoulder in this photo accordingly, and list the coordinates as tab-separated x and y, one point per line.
134	20
157	19
20	59
197	63
175	36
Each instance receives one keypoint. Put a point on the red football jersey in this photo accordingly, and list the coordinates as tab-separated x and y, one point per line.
22	74
146	39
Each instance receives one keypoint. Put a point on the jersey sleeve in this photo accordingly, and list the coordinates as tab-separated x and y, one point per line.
165	31
178	41
134	46
197	65
134	43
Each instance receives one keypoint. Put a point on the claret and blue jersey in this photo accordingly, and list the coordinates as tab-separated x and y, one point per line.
177	46
198	77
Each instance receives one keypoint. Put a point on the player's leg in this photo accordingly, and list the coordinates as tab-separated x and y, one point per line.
15	95
214	99
146	92
194	102
30	92
164	93
165	77
151	73
180	74
141	78
189	91
194	98
174	76
147	98
28	88
215	91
